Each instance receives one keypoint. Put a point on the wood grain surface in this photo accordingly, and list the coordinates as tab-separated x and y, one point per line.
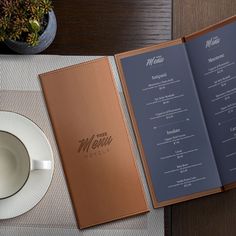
192	15
107	27
214	215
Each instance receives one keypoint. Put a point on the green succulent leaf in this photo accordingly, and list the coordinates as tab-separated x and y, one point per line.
35	25
23	20
33	39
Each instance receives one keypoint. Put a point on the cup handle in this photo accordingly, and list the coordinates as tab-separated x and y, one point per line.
40	165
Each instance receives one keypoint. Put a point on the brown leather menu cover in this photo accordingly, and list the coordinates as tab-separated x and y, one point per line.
93	140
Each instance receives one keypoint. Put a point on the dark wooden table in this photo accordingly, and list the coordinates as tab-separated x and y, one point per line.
107	27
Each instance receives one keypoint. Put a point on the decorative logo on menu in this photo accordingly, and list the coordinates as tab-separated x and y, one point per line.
155	60
213	41
95	145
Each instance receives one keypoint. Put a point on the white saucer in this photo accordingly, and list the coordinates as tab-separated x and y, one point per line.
39	148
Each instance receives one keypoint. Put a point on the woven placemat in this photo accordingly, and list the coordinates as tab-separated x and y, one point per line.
20	92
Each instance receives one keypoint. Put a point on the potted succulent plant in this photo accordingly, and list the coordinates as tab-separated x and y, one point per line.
27	26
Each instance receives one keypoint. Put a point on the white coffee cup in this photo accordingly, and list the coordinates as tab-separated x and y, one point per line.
16	165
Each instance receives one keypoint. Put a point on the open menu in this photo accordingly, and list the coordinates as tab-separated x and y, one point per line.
182	101
181	97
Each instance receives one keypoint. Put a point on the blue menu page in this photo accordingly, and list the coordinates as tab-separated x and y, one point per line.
212	57
170	122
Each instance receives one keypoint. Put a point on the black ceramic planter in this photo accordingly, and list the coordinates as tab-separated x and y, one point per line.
45	39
